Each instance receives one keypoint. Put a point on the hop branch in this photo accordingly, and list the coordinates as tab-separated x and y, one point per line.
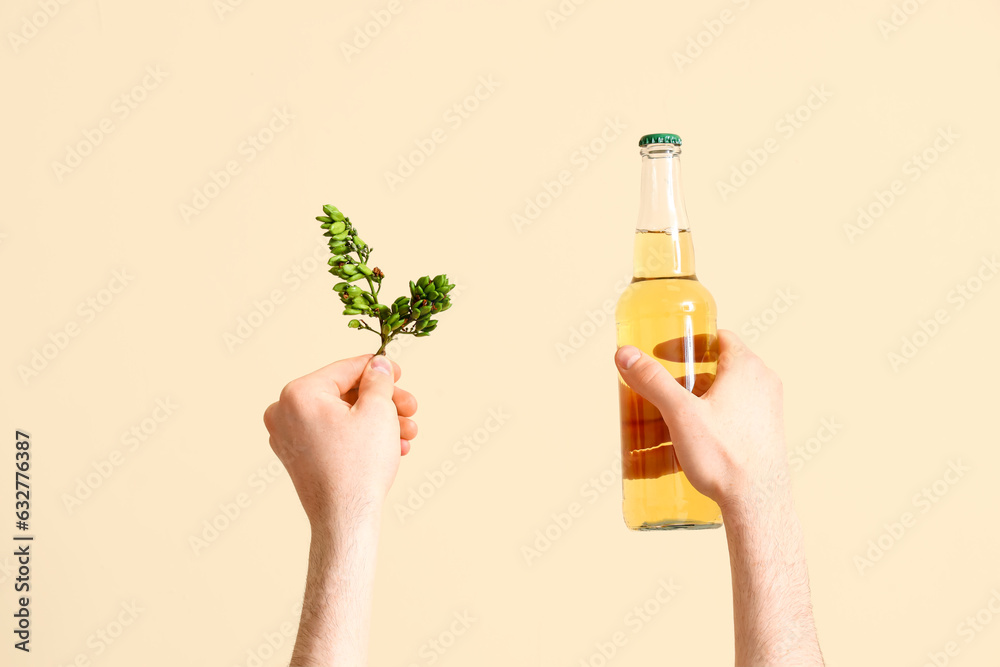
411	315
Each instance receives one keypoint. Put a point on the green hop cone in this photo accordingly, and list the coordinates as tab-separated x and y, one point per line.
333	213
359	285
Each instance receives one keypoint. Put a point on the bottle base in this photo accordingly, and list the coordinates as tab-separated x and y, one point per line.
668	502
677	525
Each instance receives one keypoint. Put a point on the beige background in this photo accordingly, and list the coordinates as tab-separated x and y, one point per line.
524	292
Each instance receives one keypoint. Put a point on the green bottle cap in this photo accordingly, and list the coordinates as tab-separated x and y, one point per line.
660	139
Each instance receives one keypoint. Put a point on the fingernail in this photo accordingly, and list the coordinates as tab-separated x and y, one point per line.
381	365
627	356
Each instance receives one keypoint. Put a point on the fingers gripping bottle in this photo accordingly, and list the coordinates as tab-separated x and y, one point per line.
668	314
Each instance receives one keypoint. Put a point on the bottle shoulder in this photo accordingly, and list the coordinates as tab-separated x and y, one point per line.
661	296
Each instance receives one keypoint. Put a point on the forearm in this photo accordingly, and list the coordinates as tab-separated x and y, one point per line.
772	612
336	611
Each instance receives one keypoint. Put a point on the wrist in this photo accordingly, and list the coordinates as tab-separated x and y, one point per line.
757	506
355	515
757	493
763	530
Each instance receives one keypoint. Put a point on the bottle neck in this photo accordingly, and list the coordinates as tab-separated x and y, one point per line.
663	246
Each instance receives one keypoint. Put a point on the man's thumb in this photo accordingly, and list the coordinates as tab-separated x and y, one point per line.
650	379
377	382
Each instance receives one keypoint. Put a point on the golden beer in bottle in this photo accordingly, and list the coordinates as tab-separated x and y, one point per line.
668	314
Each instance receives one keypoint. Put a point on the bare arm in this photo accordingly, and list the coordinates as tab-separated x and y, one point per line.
340	433
731	444
772	614
336	612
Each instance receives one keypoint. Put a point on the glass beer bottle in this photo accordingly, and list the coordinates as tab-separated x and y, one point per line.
668	314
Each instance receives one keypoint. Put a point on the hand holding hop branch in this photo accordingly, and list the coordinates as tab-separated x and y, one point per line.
349	262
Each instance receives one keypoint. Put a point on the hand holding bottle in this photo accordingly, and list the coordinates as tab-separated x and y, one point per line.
730	442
